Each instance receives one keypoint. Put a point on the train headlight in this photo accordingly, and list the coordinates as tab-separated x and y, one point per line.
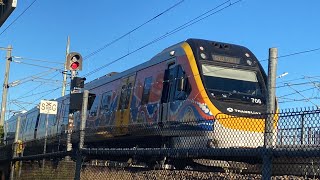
203	55
249	62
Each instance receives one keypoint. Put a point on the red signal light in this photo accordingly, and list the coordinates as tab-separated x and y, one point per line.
74	65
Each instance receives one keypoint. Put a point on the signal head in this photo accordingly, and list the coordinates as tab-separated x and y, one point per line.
74	61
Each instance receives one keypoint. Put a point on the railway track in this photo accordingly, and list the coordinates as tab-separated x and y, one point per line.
206	169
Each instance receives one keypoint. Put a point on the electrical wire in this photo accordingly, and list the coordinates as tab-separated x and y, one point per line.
299	100
297	84
131	31
297	79
303	96
294	54
46	94
33	77
38	60
32	90
296	92
17	17
189	23
315	85
34	94
36	65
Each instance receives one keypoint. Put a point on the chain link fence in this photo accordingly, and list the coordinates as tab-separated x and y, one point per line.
224	148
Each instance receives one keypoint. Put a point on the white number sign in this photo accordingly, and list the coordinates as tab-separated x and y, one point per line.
48	107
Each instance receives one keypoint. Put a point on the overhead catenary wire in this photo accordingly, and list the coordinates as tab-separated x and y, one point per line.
205	15
23	102
299	100
23	97
34	76
298	84
53	90
47	81
16	19
28	79
308	99
294	54
32	90
34	102
296	92
37	65
315	84
131	31
38	60
297	79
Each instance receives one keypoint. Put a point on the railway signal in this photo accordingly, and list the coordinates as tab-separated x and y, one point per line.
74	61
77	82
76	101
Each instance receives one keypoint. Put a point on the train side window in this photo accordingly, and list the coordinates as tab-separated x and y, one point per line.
128	94
146	90
66	111
106	101
59	117
122	97
183	87
94	108
31	120
23	123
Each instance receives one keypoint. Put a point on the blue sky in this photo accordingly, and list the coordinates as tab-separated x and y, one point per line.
41	33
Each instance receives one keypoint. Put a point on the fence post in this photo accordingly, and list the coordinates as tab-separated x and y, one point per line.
268	135
302	130
14	148
82	134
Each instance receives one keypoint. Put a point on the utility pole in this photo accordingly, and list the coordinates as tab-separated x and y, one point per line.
271	99
272	71
65	72
5	86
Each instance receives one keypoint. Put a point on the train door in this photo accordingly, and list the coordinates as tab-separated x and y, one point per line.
168	91
123	109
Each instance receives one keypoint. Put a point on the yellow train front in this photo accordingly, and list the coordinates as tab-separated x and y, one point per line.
196	93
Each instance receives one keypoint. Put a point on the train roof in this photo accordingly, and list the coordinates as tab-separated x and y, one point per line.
160	57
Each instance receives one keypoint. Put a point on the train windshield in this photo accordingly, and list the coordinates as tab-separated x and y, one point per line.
227	83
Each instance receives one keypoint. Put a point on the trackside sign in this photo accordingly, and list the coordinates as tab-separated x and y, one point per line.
48	107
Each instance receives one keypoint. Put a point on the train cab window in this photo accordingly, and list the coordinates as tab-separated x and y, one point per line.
146	90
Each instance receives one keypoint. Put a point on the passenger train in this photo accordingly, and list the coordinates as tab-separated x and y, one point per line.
197	93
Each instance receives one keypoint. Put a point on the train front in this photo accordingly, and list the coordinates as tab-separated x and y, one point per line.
232	85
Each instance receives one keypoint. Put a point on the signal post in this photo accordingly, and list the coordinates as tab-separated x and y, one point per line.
73	63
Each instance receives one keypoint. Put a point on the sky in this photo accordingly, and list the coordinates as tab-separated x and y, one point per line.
38	30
